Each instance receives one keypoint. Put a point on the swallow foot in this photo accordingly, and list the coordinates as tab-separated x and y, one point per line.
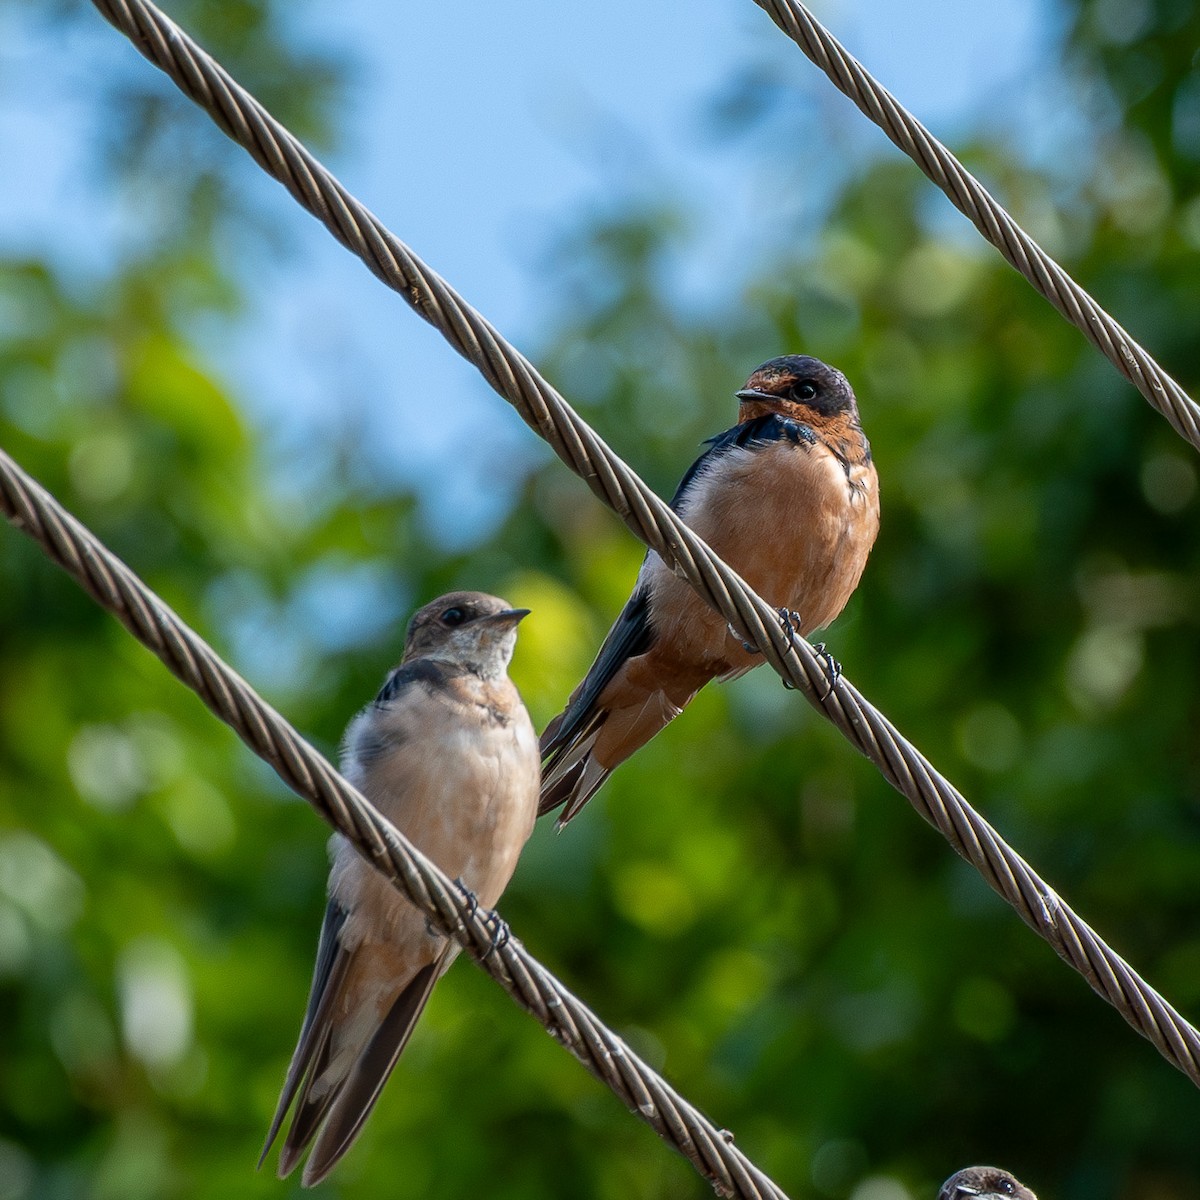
501	934
792	624
471	900
469	896
833	668
791	621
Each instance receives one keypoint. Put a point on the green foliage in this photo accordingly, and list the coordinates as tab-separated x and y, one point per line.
746	901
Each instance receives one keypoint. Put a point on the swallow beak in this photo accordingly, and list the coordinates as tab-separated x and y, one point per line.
510	616
748	394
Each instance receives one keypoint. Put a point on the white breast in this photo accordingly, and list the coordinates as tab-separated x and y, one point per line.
460	786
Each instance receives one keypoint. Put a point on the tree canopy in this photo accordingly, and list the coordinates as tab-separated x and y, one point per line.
747	902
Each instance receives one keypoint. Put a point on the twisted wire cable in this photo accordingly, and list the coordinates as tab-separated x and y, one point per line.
114	586
574	441
972	199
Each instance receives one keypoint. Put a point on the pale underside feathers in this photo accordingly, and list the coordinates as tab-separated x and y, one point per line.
447	753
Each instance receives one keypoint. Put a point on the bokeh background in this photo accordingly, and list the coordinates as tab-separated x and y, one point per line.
651	200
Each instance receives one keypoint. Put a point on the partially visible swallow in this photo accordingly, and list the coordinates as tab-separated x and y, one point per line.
984	1183
448	754
789	497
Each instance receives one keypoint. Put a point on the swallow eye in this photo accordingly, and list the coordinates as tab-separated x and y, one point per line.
804	391
453	616
1006	1185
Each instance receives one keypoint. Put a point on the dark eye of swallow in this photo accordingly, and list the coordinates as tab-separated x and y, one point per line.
1005	1185
453	616
804	391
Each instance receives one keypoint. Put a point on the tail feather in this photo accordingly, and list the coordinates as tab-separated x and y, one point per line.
334	1083
571	775
587	781
556	793
310	1109
351	1102
566	767
573	789
573	771
328	975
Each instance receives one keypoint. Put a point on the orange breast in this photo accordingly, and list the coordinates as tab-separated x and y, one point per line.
795	525
792	523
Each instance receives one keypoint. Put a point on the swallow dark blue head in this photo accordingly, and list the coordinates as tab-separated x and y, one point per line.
797	379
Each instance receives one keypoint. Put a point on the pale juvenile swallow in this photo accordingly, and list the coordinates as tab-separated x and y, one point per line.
984	1183
789	498
447	753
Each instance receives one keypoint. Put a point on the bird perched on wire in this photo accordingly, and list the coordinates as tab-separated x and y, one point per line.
789	498
984	1183
447	753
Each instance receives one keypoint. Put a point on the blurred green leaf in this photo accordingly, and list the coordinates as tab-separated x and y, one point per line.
746	901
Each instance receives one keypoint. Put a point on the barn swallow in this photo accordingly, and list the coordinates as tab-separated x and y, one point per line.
789	498
447	753
984	1183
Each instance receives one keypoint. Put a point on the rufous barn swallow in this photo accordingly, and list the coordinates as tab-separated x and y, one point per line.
789	498
447	753
984	1183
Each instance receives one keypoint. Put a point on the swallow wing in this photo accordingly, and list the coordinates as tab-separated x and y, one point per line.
570	776
328	974
354	1099
632	633
331	1102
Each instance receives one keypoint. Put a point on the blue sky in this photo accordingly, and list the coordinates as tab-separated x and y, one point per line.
518	117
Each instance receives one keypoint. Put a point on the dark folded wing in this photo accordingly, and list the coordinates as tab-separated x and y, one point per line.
630	636
357	1095
632	632
327	977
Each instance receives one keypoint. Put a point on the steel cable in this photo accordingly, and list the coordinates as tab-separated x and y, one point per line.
514	378
972	199
114	586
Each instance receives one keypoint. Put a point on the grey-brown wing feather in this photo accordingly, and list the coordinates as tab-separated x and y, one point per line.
328	973
355	1098
336	1115
310	1109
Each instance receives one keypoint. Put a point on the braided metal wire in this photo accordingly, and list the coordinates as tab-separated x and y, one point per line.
112	584
573	440
971	198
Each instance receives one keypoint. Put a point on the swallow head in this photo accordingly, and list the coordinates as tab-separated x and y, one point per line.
797	381
984	1183
466	629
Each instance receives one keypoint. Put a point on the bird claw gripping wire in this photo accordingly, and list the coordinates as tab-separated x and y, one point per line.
833	668
789	619
501	934
792	624
491	918
472	903
469	896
